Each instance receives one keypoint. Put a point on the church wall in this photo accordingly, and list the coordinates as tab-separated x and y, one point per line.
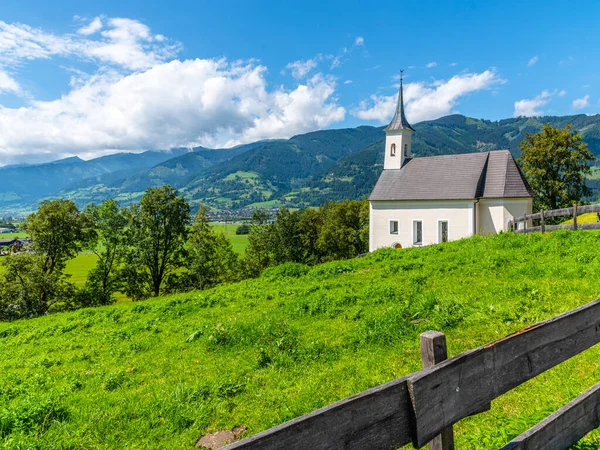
494	214
460	215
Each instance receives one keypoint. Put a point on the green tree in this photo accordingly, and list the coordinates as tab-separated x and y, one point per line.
345	230
259	253
210	259
109	222
157	231
58	232
286	238
310	224
556	162
25	282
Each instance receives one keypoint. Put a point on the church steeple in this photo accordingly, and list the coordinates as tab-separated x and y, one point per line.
398	136
399	121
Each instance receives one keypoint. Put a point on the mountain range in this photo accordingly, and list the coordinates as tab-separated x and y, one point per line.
305	170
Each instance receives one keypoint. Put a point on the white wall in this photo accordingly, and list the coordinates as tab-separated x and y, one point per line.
458	213
495	213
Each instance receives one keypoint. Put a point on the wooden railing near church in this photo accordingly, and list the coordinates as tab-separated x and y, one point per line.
422	407
520	224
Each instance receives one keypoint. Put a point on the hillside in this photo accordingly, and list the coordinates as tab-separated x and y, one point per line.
160	373
305	170
24	184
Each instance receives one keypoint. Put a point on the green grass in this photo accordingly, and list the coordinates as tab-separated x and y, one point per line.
239	242
241	175
583	218
13	235
158	374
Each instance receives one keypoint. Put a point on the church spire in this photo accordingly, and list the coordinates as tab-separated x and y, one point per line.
399	121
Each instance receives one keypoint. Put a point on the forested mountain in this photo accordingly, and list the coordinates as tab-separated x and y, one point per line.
305	170
24	183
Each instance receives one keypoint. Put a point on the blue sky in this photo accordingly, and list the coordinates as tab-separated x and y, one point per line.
94	78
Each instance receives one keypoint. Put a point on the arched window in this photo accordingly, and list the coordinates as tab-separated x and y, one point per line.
406	150
393	150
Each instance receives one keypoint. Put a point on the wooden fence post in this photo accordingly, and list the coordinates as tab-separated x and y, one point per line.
524	223
433	351
574	216
542	224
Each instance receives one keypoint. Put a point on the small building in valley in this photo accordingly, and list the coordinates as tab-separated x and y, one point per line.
427	200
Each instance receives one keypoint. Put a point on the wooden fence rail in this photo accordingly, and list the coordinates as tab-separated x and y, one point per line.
423	406
573	211
564	427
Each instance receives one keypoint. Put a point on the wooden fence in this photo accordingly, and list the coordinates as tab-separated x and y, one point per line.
422	407
520	223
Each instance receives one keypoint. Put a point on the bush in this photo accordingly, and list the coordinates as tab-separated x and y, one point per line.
243	229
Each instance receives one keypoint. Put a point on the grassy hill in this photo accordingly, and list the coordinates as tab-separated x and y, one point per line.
160	373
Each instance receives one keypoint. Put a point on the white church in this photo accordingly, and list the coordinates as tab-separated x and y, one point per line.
429	200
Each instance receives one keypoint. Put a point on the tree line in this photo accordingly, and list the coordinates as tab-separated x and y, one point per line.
154	247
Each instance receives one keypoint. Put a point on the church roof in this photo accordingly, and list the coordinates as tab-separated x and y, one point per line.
399	121
466	176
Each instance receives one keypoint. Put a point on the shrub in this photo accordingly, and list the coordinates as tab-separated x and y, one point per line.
243	229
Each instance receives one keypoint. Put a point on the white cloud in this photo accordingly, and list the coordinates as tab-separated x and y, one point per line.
348	82
126	43
581	103
533	60
8	83
338	60
301	68
427	101
530	107
360	41
179	103
454	64
431	65
562	93
93	27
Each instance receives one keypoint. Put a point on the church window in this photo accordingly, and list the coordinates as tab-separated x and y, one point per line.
443	237
393	150
406	150
393	227
417	232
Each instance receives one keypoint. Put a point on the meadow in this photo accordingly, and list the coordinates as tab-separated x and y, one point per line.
239	241
19	234
161	373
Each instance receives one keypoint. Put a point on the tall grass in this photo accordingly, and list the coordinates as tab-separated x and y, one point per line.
160	373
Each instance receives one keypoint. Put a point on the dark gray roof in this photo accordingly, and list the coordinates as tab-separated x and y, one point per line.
503	177
399	121
454	177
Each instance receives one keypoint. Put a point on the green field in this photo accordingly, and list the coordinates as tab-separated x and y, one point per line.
583	218
160	373
239	242
12	235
